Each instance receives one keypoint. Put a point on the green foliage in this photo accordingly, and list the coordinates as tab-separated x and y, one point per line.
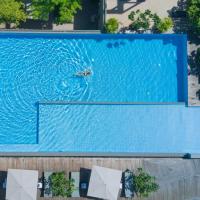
11	11
62	11
163	25
112	25
142	20
61	186
144	183
193	11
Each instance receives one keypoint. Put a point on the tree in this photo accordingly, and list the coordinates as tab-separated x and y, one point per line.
60	185
11	11
62	11
163	25
144	183
193	11
112	25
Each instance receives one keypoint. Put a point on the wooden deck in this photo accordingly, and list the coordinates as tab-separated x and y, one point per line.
178	179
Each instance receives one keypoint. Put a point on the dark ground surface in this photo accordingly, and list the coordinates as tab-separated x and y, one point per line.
85	19
88	17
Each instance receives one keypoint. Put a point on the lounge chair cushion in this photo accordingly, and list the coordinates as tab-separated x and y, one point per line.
76	177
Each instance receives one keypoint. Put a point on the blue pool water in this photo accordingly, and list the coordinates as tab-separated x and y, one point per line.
115	128
119	128
38	68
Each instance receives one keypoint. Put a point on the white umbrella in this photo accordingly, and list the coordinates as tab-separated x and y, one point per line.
21	184
104	183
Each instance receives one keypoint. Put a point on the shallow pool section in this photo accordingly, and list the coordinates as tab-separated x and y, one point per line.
125	68
115	129
119	128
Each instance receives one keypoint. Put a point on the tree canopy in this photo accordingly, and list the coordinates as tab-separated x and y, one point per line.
11	11
62	11
193	10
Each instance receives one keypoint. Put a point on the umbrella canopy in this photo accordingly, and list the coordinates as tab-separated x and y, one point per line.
104	183
21	184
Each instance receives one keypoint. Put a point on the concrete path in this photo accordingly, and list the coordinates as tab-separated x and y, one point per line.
121	9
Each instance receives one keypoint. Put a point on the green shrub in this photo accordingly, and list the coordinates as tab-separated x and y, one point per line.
193	11
112	25
61	186
11	11
163	25
144	183
62	11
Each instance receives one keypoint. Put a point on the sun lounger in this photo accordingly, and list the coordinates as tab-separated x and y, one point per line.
76	177
4	184
84	181
40	183
127	184
3	179
47	184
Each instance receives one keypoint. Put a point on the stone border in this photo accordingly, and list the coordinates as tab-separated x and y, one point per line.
99	154
49	31
106	103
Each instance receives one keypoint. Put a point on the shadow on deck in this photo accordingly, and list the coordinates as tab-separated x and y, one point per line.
88	17
119	9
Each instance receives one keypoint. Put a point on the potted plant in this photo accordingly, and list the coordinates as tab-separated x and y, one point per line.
163	25
144	183
140	20
111	25
61	186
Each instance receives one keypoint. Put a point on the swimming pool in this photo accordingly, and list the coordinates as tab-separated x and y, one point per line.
36	68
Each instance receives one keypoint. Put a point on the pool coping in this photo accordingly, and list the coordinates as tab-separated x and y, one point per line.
99	154
49	31
107	103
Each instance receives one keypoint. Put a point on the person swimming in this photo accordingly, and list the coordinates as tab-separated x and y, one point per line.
86	72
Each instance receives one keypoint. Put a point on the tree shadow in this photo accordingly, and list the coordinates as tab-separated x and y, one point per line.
119	9
194	70
88	17
183	25
194	66
181	22
36	24
193	38
179	17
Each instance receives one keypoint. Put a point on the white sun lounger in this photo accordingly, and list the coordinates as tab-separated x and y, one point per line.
76	177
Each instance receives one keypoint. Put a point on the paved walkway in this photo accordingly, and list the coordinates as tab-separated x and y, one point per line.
121	9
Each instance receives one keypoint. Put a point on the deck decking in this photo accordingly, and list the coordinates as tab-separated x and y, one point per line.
178	179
